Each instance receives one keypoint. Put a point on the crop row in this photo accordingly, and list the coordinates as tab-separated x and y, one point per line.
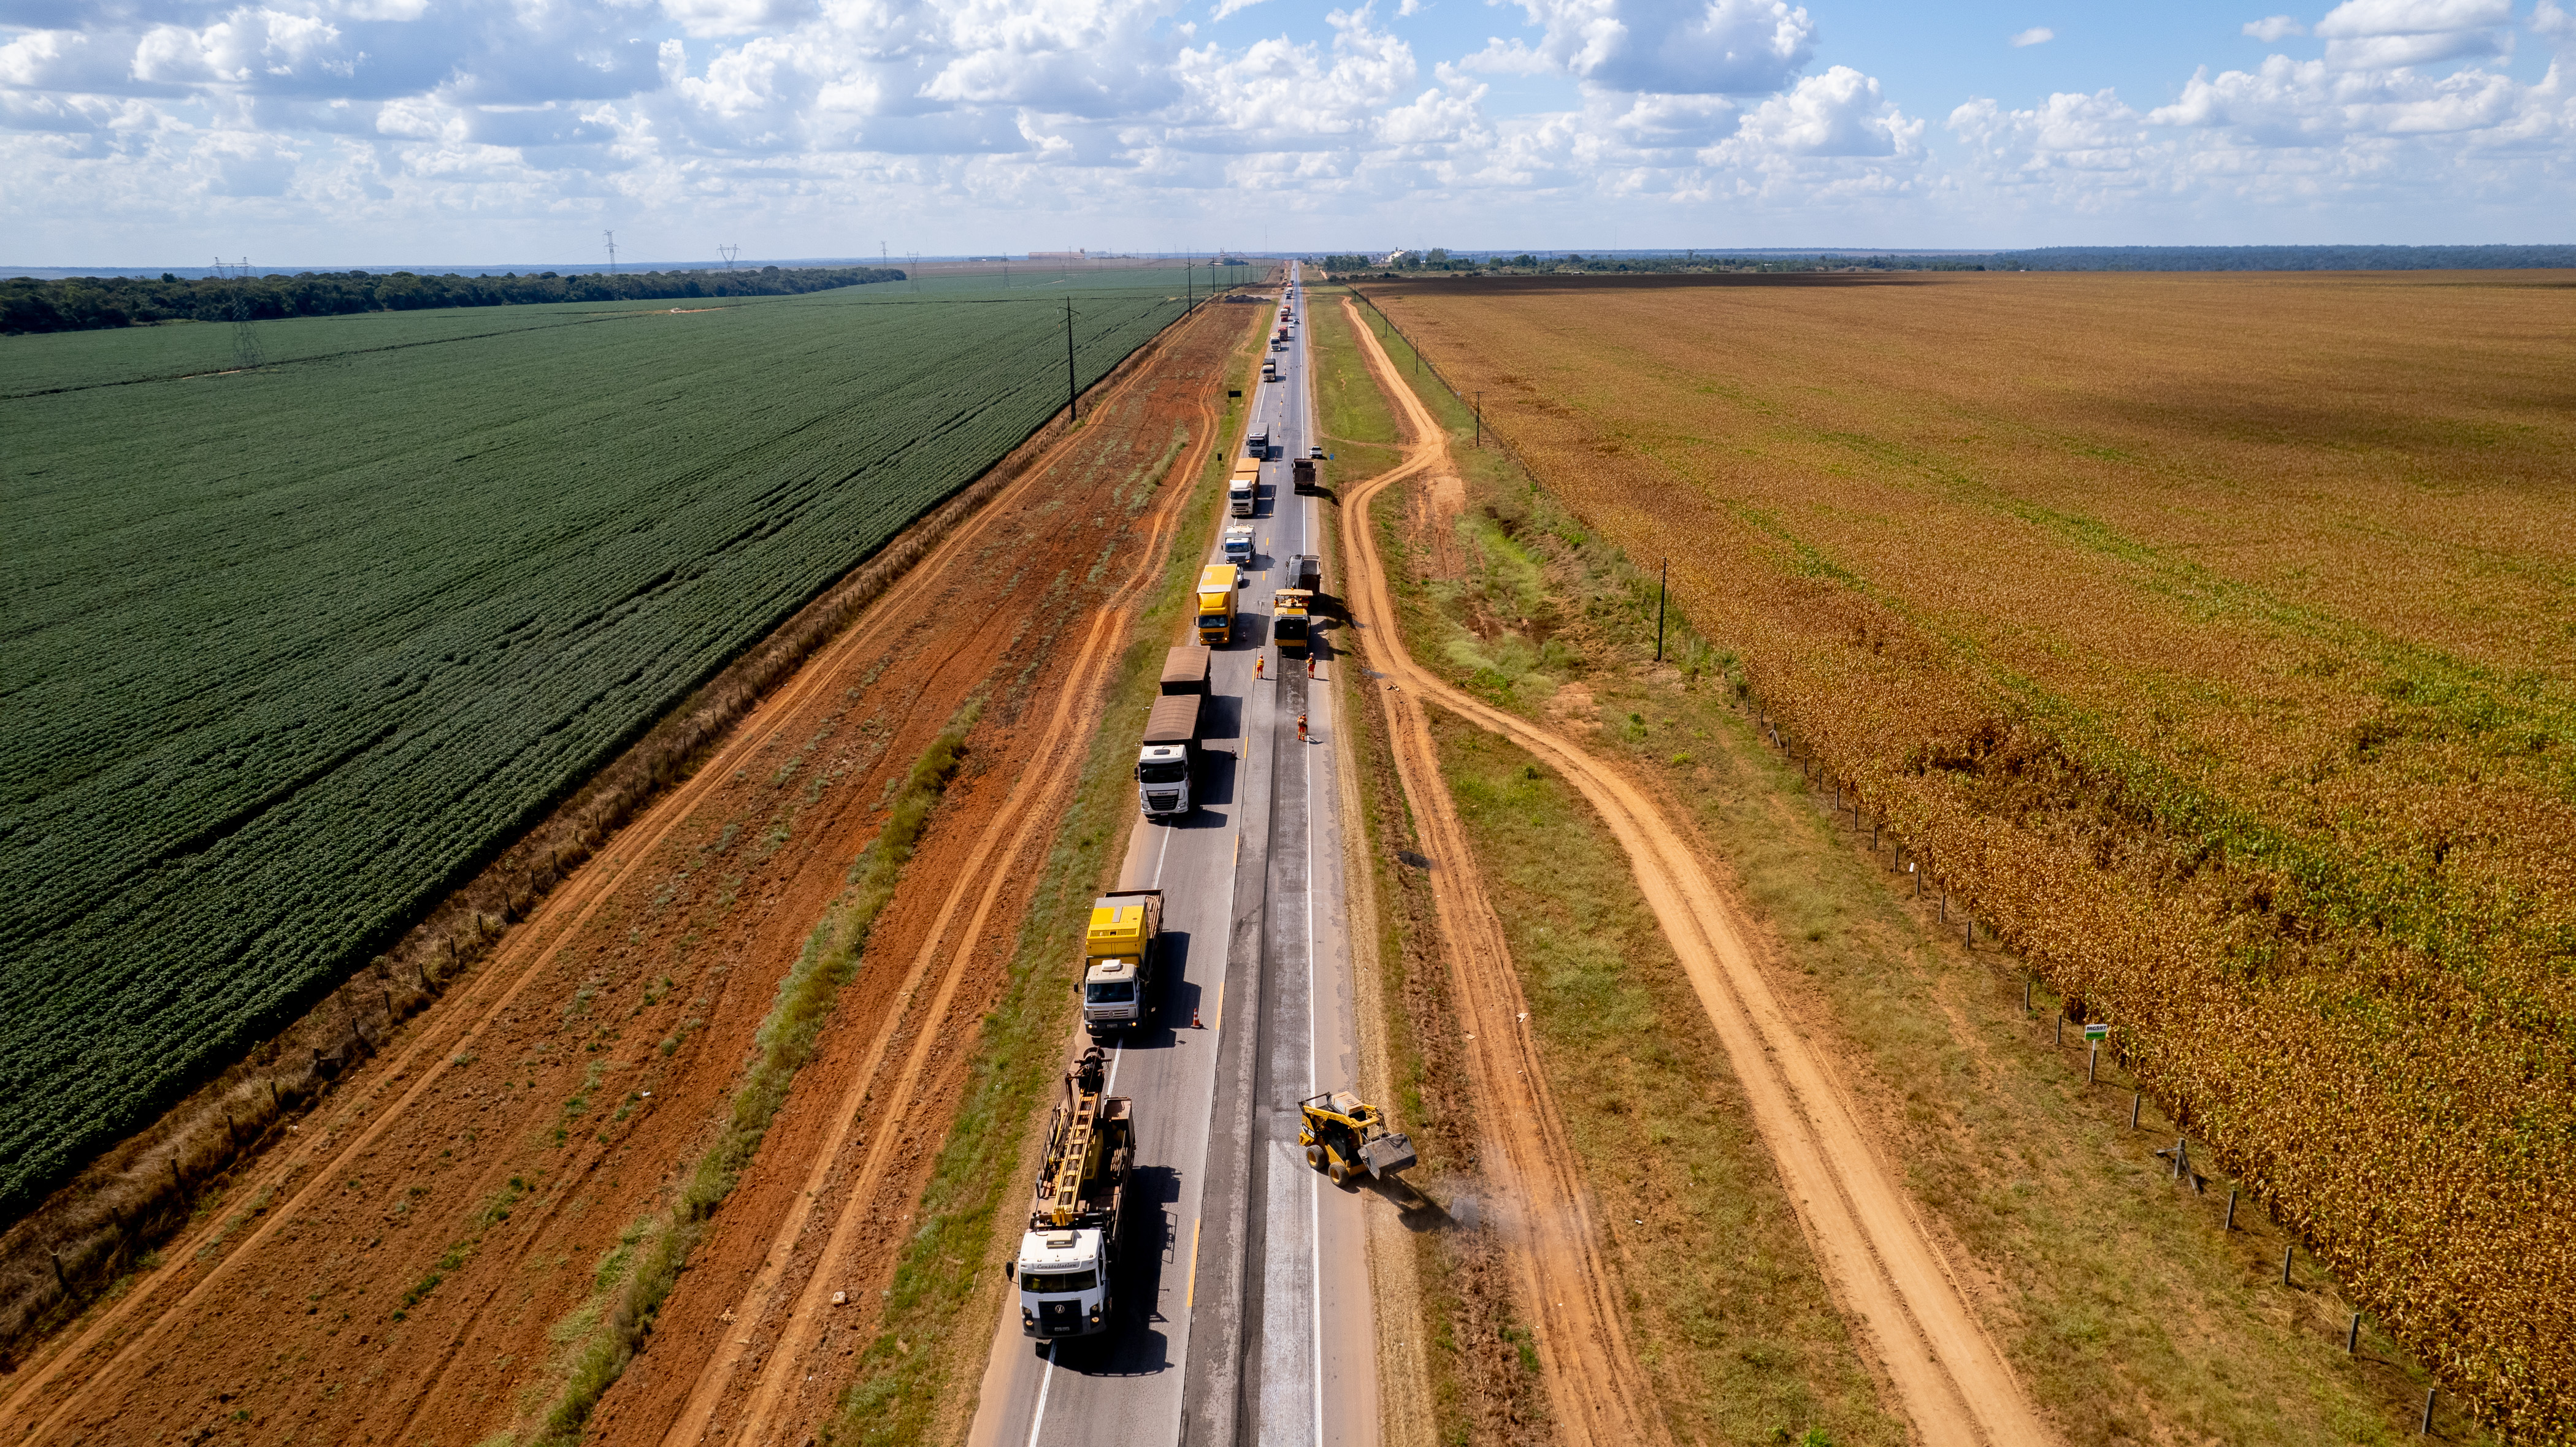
292	652
2156	652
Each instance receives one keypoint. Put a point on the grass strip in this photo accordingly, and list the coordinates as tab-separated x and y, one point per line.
915	1380
603	1335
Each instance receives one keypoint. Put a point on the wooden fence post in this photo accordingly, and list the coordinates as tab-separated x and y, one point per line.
2136	1098
2231	1212
2352	1338
2287	1252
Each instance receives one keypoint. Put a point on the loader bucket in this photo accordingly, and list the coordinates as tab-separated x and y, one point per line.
1387	1155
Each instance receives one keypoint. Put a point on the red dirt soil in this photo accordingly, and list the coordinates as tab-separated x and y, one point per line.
392	1271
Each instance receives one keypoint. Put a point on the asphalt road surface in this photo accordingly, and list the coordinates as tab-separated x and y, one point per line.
1243	1309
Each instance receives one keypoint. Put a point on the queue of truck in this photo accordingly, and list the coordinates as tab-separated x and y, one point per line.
1066	1268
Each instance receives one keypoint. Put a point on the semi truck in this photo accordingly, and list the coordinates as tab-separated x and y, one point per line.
1167	758
1120	956
1237	544
1244	487
1068	1257
1216	602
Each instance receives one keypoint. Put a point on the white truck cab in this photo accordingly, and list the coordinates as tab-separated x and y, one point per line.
1064	1283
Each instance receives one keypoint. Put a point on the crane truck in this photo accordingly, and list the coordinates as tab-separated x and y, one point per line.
1120	950
1066	1259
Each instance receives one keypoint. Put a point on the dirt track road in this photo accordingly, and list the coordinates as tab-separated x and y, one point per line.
1882	1265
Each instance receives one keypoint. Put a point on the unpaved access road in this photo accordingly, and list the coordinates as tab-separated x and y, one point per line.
398	1270
1882	1265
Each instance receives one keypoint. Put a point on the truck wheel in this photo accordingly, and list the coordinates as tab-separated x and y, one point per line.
1315	1157
1339	1172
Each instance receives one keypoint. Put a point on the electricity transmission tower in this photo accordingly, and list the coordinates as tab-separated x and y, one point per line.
612	251
729	253
245	341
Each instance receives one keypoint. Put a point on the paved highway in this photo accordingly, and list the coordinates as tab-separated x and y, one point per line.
1244	1313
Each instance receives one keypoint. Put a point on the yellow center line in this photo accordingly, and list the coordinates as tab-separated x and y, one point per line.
1190	1300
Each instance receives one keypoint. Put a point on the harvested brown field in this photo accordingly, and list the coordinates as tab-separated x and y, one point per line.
2212	639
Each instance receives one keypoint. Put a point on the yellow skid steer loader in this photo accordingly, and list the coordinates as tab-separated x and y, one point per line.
1344	1137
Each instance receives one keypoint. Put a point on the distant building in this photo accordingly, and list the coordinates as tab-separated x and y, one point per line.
1059	255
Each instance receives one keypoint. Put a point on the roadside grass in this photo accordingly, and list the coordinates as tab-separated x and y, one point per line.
1743	1343
596	1341
1359	429
1731	1314
915	1380
2127	1311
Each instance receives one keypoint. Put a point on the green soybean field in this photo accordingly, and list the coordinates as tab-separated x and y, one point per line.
288	653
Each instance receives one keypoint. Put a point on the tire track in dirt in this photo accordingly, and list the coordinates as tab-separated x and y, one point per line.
1035	799
1883	1266
436	1038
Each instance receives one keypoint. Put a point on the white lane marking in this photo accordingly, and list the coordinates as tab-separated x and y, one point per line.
1046	1379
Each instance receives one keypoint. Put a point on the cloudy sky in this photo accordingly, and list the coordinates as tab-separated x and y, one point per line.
316	132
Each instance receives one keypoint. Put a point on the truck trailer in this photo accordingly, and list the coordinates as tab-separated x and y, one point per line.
1121	952
1069	1255
1244	487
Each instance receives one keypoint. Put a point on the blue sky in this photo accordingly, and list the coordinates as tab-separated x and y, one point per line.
312	132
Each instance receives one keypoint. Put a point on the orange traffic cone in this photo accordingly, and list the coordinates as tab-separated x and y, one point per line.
1194	1019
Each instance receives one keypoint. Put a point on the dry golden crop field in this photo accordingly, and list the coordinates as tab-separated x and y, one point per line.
2213	637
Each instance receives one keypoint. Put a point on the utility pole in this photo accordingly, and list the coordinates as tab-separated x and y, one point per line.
612	251
1662	577
1480	419
1072	394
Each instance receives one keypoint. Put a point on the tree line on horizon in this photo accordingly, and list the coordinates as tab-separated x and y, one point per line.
85	303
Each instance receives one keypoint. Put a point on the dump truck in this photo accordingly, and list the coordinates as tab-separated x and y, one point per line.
1167	757
1345	1136
1067	1259
1305	571
1244	487
1301	474
1216	602
1120	954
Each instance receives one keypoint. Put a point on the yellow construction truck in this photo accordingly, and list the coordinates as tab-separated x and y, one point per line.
1120	951
1067	1259
1216	602
1292	608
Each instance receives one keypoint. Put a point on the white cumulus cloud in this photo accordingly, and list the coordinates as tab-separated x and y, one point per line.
2036	35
